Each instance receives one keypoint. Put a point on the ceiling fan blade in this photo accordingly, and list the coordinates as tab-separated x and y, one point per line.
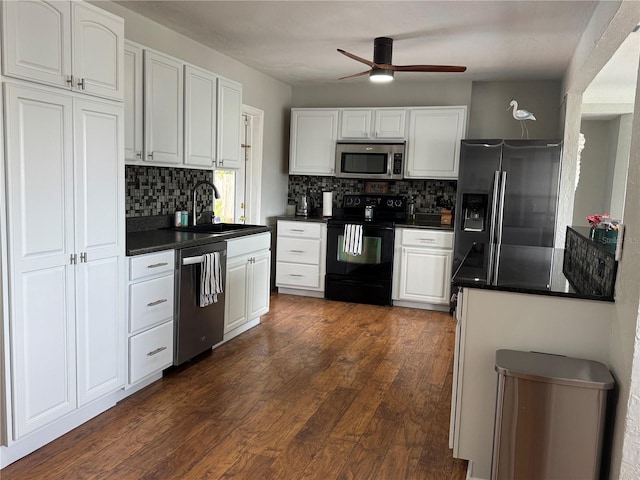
356	75
355	57
424	68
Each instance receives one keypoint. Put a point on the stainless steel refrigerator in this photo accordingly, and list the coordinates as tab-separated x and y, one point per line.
507	194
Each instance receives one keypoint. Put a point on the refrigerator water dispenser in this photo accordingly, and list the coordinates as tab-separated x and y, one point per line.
474	210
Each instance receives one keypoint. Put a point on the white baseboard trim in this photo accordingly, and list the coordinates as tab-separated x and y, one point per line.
300	292
30	443
237	331
136	387
420	305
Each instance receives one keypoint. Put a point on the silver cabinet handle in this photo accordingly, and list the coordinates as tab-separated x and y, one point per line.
296	251
297	230
150	155
73	258
70	80
427	240
157	350
156	265
81	84
83	257
139	154
221	162
157	302
295	275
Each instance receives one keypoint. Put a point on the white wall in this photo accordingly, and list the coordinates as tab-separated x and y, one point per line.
396	94
621	165
608	28
258	89
489	116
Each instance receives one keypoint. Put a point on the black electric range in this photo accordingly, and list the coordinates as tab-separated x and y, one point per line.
363	275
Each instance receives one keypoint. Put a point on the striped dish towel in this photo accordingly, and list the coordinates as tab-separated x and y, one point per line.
352	244
210	278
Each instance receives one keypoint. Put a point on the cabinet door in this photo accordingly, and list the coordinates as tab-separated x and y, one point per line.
199	117
313	142
99	240
37	41
425	275
132	102
98	51
259	285
229	123
163	97
390	123
355	123
235	313
434	142
40	211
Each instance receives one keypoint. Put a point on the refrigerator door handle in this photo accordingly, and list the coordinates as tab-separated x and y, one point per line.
503	188
494	206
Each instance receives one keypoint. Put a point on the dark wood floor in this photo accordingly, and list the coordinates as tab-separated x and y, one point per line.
320	390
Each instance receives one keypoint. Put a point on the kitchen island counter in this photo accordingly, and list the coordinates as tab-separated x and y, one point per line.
522	269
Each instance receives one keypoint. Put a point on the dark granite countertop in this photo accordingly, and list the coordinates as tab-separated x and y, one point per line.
428	223
155	239
521	269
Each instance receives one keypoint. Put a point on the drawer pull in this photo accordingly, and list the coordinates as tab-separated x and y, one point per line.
427	239
157	302
156	265
295	275
157	350
297	230
296	251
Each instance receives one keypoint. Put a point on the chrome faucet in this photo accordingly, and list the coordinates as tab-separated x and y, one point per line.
216	194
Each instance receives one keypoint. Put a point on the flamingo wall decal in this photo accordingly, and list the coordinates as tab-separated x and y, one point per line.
521	115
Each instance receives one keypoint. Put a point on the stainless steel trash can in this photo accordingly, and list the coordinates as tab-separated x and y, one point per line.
550	414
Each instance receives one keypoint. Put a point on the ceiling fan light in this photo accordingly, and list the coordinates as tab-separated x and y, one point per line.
379	75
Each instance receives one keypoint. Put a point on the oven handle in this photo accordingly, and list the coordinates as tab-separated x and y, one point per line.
192	260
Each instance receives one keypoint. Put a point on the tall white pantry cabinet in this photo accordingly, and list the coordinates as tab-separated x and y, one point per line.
63	231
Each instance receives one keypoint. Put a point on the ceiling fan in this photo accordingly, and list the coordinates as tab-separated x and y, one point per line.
381	68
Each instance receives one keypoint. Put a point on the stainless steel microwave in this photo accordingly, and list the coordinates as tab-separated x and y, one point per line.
370	160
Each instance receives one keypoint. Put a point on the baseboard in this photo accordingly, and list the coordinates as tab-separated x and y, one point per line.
300	292
136	387
33	441
237	331
420	305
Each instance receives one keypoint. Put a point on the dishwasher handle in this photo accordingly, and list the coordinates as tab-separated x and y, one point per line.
197	259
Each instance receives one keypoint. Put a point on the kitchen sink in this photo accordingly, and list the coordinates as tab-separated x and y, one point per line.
213	227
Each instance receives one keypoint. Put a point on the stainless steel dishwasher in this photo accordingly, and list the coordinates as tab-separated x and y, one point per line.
197	328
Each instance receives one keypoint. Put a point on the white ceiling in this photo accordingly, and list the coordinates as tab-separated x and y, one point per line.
296	41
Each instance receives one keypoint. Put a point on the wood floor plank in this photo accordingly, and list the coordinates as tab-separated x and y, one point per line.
319	390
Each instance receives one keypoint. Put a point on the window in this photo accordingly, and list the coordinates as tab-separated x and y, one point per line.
225	181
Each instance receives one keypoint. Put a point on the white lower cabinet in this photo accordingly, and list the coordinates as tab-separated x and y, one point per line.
247	282
301	257
151	300
422	267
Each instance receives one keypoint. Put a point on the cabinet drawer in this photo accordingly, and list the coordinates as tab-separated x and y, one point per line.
299	250
150	302
294	275
248	244
427	238
149	265
150	351
299	229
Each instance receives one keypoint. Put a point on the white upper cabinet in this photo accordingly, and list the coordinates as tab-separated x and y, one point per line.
132	102
313	141
390	123
379	123
199	117
434	142
355	123
163	109
70	45
229	123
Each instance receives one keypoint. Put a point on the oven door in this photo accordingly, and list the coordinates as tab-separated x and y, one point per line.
376	259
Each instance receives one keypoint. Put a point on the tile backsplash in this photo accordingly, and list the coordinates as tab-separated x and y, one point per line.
428	195
163	190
